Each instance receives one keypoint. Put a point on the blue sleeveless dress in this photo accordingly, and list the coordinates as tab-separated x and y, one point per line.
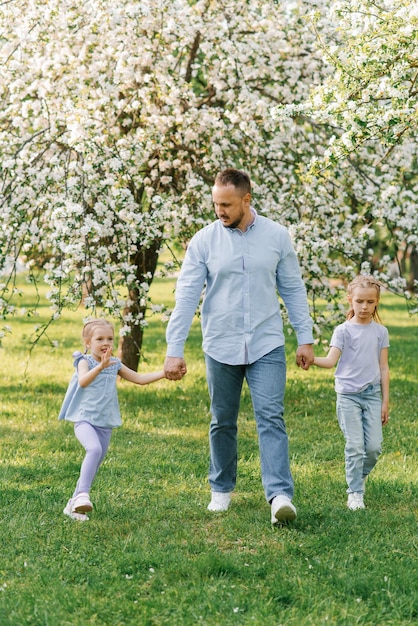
98	402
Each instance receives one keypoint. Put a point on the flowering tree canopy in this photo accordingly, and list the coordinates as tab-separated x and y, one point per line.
115	118
364	183
359	191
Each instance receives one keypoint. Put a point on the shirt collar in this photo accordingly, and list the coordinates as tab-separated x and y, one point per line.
250	226
254	213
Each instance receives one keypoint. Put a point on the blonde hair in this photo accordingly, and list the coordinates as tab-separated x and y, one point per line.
90	327
364	282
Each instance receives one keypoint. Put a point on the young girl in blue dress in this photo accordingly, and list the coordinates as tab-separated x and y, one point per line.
91	402
360	345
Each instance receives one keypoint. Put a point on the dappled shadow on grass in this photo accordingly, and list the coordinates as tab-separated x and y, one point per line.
28	391
155	542
152	553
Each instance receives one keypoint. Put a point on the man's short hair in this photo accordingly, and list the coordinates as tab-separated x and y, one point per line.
237	178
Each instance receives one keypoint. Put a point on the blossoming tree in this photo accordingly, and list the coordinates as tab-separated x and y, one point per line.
115	117
370	101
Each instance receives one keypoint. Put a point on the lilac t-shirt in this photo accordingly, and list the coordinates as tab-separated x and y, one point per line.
359	363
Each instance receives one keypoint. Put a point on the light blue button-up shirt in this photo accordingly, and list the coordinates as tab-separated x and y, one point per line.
242	273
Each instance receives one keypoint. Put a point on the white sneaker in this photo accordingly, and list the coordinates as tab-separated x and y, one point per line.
220	501
79	517
355	501
282	510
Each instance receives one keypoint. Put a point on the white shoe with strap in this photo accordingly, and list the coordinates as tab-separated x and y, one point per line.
78	517
81	503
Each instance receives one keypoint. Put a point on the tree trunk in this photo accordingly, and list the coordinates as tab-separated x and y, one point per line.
130	346
413	275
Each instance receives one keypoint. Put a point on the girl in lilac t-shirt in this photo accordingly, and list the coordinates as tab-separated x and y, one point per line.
360	346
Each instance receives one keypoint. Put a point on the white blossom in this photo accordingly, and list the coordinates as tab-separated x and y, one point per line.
111	133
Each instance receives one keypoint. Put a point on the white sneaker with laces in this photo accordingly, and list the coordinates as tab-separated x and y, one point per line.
79	517
282	510
355	501
219	502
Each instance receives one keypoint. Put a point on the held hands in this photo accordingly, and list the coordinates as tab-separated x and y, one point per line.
174	368
305	356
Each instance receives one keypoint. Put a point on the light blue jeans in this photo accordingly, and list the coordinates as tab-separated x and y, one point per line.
266	379
360	419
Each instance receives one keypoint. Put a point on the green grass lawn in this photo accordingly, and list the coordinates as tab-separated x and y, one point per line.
151	553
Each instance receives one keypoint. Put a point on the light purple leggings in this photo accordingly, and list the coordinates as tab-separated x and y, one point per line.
95	440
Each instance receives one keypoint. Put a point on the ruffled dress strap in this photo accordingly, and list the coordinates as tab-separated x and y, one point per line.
77	356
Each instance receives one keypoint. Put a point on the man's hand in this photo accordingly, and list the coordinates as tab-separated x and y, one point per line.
305	356
174	368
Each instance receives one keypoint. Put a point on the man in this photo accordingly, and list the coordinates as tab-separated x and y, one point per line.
242	260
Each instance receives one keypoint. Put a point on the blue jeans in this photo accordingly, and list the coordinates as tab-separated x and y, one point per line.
360	419
266	379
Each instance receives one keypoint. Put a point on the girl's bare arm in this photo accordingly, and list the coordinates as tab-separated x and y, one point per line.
384	378
140	379
330	360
